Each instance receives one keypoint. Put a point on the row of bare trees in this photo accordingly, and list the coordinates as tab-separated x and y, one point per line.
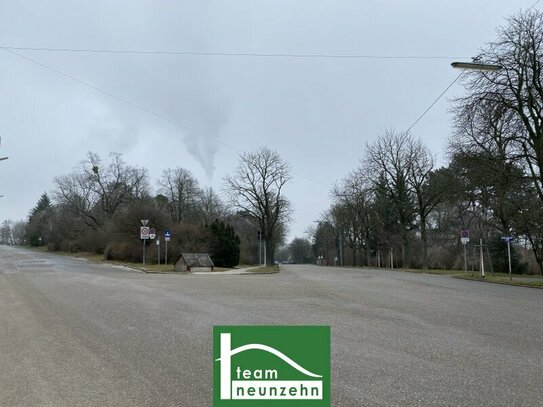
397	203
98	206
382	203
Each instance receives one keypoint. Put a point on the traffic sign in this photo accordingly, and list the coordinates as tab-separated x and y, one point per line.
464	236
144	222
144	232
167	234
506	239
158	242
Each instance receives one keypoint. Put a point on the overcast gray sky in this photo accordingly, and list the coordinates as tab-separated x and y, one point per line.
317	113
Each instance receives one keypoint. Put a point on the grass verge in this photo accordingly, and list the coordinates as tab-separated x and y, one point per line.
436	272
264	270
521	281
148	268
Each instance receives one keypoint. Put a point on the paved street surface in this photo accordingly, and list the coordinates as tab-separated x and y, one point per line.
75	333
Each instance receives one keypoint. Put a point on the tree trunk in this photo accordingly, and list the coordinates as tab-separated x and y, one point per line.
404	251
424	239
270	252
538	257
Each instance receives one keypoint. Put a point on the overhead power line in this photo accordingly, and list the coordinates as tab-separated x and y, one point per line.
435	101
139	107
121	99
230	54
533	5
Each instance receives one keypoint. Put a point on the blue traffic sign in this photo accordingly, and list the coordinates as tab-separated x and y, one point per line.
167	234
506	238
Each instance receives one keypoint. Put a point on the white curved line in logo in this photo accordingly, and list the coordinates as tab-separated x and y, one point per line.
275	352
226	353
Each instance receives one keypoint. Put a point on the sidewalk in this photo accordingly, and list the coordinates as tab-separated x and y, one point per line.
235	272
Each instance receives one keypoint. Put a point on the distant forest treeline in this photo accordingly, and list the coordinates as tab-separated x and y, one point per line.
98	208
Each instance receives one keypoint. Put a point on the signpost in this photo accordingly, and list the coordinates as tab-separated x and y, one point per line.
158	250
464	238
508	239
144	232
144	236
167	236
259	236
481	258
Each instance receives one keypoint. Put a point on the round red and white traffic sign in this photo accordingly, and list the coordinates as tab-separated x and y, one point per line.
144	232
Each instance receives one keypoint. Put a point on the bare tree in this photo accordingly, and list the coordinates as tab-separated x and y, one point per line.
300	250
181	189
19	232
209	206
256	191
351	213
426	186
500	124
6	232
324	242
387	166
95	192
514	93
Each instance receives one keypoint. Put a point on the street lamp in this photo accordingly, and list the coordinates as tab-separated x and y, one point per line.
476	66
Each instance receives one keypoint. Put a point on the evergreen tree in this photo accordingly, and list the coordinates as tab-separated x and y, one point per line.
38	221
224	245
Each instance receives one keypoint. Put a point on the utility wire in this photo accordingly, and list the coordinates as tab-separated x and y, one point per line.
230	54
448	87
121	99
533	5
139	107
435	101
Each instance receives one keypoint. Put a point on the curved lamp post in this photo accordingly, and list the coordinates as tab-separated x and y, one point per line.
476	66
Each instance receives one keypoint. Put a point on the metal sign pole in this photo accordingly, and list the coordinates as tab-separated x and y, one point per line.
158	250
481	254
144	252
166	252
341	249
265	260
465	259
509	256
464	238
259	248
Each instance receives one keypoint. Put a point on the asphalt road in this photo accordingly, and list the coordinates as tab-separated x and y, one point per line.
75	333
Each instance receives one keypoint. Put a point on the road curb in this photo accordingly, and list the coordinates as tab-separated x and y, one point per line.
497	282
